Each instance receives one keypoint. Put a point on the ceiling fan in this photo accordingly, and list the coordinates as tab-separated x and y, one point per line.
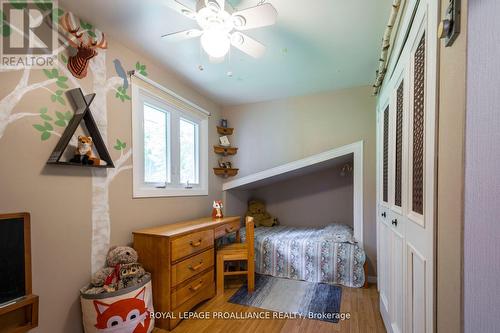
220	26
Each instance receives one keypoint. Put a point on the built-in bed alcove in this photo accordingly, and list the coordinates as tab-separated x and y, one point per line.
298	193
319	203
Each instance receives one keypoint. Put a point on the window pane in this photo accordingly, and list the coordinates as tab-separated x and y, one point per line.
188	152
155	145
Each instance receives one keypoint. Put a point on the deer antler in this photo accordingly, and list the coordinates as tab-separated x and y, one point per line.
102	44
66	25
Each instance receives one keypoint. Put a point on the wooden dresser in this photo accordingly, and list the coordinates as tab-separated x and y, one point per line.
180	257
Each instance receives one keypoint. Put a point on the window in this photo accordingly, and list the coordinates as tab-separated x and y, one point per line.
170	145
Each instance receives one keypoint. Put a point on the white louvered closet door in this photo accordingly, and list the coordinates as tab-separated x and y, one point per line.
406	180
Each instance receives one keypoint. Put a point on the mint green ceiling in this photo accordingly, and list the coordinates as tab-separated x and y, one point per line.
315	46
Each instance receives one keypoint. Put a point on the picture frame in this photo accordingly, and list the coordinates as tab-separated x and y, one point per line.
224	141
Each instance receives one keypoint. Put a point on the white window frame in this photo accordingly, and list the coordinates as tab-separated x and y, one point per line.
141	95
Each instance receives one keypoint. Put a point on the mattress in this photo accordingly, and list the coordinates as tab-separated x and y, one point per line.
326	254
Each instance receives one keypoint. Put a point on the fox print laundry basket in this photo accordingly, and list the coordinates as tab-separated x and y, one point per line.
126	310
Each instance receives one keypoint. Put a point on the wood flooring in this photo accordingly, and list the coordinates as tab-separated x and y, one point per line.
361	303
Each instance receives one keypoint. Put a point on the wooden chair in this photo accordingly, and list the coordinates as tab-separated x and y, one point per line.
238	251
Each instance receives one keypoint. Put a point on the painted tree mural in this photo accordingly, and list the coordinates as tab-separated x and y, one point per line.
50	120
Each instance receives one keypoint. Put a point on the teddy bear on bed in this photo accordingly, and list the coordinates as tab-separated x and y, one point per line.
121	271
257	210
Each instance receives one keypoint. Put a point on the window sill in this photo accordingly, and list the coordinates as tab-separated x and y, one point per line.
166	192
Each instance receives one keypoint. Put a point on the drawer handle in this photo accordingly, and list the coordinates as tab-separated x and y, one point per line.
384	214
193	244
395	222
197	267
198	286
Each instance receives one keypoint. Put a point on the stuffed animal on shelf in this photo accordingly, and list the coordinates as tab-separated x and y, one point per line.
257	210
217	210
83	153
121	262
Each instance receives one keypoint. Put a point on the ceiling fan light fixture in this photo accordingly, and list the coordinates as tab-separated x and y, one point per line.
215	43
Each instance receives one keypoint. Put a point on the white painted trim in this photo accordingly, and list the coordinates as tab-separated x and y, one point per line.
138	188
354	148
168	91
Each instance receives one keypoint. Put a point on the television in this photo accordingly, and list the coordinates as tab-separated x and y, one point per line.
15	257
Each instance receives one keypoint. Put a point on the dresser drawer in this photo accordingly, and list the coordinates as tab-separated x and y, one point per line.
227	229
192	266
192	243
193	288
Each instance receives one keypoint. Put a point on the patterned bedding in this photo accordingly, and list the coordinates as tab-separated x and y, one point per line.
328	255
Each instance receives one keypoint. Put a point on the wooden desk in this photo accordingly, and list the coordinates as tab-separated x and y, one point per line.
180	258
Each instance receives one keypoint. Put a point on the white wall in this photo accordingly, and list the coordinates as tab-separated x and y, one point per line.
482	162
312	200
272	133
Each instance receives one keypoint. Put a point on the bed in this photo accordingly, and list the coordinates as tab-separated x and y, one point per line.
326	254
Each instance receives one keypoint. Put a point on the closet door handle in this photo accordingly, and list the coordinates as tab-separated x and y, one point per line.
395	222
384	214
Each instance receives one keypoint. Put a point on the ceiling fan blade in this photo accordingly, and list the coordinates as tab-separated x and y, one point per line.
181	8
247	45
255	17
219	3
182	35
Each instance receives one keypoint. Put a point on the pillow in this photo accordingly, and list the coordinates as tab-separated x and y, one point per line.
339	233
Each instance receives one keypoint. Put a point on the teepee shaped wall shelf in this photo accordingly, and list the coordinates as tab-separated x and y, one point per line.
81	105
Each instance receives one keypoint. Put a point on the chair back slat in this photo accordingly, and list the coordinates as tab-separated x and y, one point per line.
249	226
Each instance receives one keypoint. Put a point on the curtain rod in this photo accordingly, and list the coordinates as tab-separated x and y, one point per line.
168	91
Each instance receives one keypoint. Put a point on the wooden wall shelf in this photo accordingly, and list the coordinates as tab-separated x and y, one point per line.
81	165
226	172
225	150
225	130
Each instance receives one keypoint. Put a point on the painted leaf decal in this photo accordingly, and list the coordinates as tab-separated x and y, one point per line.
48	126
56	14
45	136
39	128
45	117
60	123
60	115
48	73
62	85
18	4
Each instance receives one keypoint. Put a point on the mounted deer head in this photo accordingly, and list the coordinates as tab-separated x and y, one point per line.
84	44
